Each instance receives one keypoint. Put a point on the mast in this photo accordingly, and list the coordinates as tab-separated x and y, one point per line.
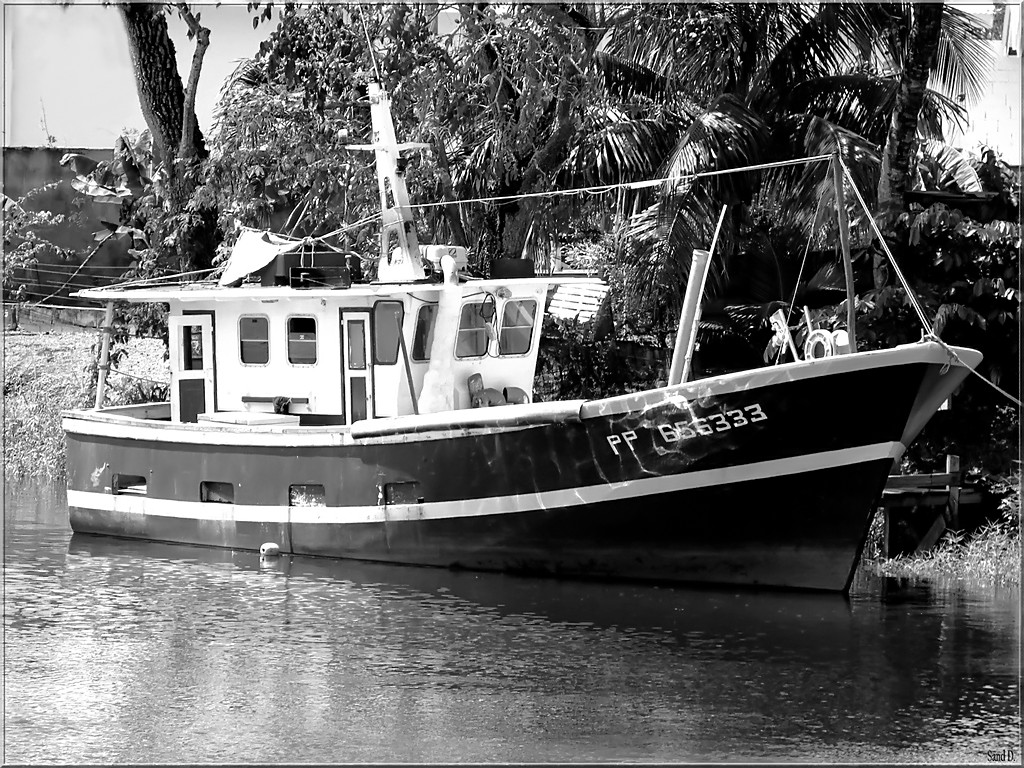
844	245
399	248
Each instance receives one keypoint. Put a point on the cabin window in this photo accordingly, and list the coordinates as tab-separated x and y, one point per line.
424	335
357	393
132	485
306	495
254	340
516	327
356	330
192	348
387	331
216	493
302	340
472	339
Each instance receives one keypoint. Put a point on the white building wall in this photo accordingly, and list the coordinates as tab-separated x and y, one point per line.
995	121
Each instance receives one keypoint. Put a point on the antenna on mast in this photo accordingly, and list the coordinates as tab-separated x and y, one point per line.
400	259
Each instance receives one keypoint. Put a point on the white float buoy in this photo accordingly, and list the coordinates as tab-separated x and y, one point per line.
270	549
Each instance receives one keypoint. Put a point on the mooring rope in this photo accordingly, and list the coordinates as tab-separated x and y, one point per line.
955	358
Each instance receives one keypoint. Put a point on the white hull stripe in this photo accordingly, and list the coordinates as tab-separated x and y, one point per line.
495	505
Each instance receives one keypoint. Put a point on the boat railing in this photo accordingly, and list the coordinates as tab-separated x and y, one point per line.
160	411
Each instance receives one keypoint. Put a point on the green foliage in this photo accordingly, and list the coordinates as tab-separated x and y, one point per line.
572	364
285	121
967	276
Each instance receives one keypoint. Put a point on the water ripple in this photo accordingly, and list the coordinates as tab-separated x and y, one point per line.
120	651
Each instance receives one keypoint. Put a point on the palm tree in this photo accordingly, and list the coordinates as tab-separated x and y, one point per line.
759	83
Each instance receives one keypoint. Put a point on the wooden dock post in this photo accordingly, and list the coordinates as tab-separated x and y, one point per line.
908	504
953	503
104	364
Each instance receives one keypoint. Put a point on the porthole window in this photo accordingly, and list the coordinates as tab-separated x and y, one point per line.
254	340
424	335
472	338
302	340
306	495
516	327
134	485
211	492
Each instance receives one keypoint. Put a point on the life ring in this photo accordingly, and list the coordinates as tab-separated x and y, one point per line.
819	344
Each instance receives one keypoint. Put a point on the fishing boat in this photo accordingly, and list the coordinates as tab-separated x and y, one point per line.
313	412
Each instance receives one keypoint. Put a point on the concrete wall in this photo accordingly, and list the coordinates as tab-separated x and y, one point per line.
26	169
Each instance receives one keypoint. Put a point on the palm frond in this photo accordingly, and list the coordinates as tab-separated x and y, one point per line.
831	38
941	167
621	150
964	59
726	135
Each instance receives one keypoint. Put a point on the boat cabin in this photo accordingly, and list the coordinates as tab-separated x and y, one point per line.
310	354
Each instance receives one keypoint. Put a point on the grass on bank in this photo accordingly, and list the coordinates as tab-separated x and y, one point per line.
990	554
45	373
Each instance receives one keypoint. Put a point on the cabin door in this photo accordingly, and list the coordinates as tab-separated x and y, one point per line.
191	366
356	366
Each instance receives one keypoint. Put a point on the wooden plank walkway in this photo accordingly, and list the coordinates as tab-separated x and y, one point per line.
933	498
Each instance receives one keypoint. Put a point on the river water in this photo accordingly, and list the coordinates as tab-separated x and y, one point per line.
119	651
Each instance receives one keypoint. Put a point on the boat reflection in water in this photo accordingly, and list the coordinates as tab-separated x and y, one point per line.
431	664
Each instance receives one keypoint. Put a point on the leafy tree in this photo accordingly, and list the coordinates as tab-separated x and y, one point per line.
514	103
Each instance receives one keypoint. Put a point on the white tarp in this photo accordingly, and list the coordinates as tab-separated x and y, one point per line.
254	250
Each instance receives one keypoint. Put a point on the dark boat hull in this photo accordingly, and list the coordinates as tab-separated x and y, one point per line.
762	479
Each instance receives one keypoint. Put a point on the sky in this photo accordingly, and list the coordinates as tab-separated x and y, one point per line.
68	68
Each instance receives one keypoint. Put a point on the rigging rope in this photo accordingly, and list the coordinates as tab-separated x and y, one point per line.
892	259
929	332
605	188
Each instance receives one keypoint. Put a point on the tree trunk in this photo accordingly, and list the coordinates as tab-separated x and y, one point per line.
161	94
900	144
170	115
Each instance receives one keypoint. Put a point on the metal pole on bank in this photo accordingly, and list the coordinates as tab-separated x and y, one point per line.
689	317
